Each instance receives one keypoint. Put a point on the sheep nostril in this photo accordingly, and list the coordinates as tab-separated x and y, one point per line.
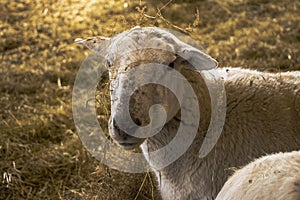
116	125
137	121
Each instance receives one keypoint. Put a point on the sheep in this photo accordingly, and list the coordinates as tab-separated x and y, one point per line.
262	116
274	176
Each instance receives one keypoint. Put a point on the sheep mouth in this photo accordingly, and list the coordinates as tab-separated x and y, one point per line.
129	145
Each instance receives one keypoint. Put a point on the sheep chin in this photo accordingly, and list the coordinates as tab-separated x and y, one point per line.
129	146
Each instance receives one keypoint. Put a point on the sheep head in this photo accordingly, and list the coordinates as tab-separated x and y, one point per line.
144	55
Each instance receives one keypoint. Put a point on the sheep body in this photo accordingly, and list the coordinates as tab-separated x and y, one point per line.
274	176
262	117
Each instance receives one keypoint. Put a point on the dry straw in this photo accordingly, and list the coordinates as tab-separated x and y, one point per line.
41	156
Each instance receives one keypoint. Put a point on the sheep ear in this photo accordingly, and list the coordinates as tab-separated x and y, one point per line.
198	59
96	44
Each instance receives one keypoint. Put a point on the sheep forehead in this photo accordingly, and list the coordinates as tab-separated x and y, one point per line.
139	40
138	46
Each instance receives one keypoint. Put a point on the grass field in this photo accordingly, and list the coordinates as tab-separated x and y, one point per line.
41	156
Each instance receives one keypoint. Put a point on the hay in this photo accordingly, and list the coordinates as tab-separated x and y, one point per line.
41	157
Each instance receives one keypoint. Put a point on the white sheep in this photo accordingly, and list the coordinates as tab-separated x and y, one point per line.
274	176
263	110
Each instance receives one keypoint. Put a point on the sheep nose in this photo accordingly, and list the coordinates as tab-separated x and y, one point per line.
119	134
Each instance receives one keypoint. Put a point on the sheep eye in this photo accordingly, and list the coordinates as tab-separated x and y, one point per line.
109	63
171	65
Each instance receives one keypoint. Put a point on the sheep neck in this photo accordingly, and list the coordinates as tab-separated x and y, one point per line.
169	131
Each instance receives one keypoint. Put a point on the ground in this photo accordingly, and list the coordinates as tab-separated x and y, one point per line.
41	156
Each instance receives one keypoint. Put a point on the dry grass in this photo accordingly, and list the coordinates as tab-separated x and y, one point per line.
41	157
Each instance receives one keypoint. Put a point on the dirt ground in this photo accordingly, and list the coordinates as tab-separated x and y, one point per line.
41	156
